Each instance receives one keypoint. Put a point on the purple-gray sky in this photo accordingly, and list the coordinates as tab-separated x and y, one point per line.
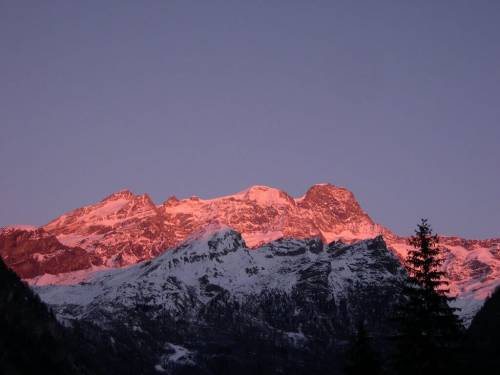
399	101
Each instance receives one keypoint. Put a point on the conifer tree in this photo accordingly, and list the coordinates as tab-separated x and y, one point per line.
360	357
429	330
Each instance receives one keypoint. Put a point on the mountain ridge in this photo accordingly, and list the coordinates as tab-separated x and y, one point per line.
125	228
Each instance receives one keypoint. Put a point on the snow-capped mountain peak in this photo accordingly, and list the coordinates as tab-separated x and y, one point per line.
265	196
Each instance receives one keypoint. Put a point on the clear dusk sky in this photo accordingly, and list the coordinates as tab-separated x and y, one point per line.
399	101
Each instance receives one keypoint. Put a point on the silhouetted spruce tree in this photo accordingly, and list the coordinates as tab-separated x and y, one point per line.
429	331
360	357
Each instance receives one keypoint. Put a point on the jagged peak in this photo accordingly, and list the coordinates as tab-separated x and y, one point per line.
172	200
375	241
214	231
121	194
146	198
293	246
331	189
193	201
327	194
129	196
375	245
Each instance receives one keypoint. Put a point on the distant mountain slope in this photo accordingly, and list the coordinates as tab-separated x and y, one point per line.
31	340
214	306
125	228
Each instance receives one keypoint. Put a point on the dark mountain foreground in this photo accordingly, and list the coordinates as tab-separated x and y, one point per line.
32	341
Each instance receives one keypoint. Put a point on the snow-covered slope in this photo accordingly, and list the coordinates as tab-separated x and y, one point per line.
217	259
212	292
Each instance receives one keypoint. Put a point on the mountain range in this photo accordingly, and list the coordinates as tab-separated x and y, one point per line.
124	229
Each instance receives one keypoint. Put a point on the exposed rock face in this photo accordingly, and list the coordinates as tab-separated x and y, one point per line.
34	252
121	229
125	228
212	304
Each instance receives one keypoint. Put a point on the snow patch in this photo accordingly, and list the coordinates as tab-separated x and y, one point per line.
297	338
175	356
259	238
75	239
69	278
264	196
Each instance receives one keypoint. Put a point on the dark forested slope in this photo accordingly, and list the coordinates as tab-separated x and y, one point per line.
31	340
